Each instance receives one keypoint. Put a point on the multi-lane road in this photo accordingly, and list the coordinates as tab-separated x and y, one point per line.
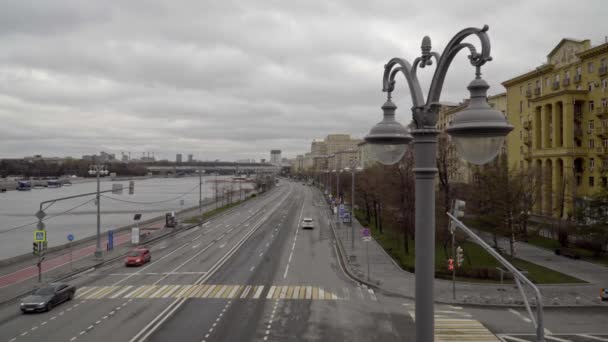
250	274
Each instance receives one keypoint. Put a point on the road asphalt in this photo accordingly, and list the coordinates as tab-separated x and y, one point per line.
255	275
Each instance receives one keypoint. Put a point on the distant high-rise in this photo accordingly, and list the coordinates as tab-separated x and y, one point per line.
178	158
190	158
275	157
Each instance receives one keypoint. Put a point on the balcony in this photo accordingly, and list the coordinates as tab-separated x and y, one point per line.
528	140
528	93
555	85
527	124
601	112
603	70
536	91
578	78
602	151
601	131
566	82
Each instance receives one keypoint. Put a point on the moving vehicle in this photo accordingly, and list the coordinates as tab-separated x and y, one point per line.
48	296
24	186
138	257
307	223
53	183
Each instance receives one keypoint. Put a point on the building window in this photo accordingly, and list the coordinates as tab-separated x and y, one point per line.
590	86
579	69
567	74
591	143
547	82
604	182
590	67
557	78
591	106
590	125
591	181
521	120
578	180
605	83
605	142
591	164
604	102
605	123
521	106
605	164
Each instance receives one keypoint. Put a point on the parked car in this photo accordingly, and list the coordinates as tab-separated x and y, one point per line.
307	223
138	257
48	296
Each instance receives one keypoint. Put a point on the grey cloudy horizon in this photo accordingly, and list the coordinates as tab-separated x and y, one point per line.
234	79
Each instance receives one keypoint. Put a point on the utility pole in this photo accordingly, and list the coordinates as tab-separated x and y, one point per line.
98	170
200	191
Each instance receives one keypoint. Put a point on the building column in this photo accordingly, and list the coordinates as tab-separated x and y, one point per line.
537	128
557	124
548	188
538	204
556	187
570	184
568	122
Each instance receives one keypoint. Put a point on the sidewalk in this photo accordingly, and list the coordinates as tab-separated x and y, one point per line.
389	277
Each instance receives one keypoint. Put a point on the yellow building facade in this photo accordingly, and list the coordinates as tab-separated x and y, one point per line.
560	116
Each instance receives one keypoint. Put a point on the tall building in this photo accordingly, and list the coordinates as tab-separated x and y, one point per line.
178	158
190	158
560	114
275	157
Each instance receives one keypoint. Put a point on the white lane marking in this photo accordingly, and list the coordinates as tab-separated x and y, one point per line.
251	269
290	256
551	337
261	253
286	270
593	337
525	319
246	291
321	293
223	245
73	338
514	339
372	294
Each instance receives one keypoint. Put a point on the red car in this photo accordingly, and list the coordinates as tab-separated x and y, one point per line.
138	257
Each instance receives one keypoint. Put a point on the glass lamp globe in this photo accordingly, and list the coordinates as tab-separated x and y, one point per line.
388	139
478	131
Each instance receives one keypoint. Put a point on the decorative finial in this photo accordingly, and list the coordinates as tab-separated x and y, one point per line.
426	46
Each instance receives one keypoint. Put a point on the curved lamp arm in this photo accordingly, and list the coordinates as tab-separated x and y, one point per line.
425	112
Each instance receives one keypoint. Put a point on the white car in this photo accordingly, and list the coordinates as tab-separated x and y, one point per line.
307	223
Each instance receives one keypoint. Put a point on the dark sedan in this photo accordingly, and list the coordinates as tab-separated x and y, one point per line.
48	296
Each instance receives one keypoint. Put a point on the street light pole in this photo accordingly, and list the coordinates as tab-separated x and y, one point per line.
352	169
477	132
200	192
98	170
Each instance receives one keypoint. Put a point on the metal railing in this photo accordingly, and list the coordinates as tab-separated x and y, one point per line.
518	276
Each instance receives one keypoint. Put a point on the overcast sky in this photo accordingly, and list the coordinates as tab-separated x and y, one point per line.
233	79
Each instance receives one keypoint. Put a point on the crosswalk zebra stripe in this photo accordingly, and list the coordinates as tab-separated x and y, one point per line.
321	293
246	291
208	291
171	290
119	293
270	292
258	292
157	292
83	291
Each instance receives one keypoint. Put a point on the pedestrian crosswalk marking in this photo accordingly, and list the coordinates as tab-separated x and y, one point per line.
554	337
211	291
453	325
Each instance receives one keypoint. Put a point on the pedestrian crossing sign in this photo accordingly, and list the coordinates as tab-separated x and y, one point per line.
40	236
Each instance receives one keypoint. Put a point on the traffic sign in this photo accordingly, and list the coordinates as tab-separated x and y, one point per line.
40	236
40	225
40	214
70	237
366	235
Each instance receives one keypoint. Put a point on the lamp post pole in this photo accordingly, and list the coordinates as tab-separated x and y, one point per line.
353	169
477	132
98	170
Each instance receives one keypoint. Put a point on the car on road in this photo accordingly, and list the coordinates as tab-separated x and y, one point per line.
47	296
307	223
138	257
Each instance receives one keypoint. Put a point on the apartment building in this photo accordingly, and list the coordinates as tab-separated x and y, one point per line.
560	114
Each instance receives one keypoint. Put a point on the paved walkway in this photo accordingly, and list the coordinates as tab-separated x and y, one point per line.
390	277
587	271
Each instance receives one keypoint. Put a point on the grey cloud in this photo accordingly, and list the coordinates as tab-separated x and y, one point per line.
233	79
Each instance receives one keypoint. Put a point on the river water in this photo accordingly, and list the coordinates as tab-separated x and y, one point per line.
153	197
